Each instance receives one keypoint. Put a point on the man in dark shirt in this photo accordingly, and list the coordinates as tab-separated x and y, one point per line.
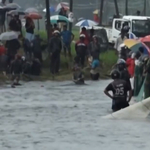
54	48
124	74
15	24
120	89
81	49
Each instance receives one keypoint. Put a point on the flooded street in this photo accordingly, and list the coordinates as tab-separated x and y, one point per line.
58	116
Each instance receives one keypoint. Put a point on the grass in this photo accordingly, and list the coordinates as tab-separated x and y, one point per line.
107	58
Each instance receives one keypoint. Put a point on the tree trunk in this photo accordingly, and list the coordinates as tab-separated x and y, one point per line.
101	12
48	18
116	7
126	7
71	10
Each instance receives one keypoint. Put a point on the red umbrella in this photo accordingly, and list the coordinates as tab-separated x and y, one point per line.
34	16
146	41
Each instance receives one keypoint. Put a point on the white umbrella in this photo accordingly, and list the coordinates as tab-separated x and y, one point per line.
86	23
17	12
31	10
44	10
10	35
12	5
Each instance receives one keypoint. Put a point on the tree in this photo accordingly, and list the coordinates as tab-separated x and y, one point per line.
48	18
126	7
101	12
116	7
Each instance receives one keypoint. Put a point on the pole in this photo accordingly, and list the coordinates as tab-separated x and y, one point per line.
38	24
101	12
71	10
126	7
48	19
144	7
116	7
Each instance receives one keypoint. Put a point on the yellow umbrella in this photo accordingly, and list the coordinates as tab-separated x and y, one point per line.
131	42
96	11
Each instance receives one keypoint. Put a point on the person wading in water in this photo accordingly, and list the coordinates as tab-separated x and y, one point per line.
120	89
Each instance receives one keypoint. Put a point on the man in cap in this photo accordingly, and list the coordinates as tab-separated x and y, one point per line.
81	49
54	47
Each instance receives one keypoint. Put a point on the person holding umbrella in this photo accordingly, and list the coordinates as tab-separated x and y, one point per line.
29	29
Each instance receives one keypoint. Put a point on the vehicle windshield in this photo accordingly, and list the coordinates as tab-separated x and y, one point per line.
141	28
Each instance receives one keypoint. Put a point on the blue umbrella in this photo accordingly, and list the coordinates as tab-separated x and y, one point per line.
51	9
86	23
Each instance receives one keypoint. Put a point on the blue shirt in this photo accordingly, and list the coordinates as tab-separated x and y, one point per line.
95	63
66	35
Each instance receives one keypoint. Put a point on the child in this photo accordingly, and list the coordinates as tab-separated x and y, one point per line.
16	70
78	77
94	68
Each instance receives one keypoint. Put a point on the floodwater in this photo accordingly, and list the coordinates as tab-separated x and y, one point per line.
58	116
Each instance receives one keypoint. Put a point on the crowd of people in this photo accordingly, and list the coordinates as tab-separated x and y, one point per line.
130	73
87	48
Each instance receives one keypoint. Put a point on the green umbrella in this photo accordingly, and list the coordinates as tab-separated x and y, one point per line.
58	18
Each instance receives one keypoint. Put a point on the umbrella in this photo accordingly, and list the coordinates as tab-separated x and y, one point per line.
12	5
146	41
31	10
96	12
130	42
65	5
80	19
86	23
10	35
56	18
34	16
134	45
16	12
5	9
51	9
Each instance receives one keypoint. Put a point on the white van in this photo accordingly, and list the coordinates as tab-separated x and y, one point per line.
139	26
